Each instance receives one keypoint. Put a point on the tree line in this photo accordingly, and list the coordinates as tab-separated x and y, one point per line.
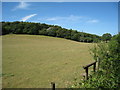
50	30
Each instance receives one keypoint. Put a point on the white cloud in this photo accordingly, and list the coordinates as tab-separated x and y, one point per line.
28	17
52	19
93	21
72	18
21	5
57	24
69	18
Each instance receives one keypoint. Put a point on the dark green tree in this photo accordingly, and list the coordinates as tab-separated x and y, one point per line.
45	29
106	37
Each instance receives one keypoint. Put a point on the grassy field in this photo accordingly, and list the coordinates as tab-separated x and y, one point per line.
34	61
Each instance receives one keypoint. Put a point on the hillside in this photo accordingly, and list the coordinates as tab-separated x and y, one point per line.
34	61
47	30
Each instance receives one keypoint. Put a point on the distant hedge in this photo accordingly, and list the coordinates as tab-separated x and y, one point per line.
48	30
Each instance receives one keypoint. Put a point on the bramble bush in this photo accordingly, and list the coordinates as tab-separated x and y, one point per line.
108	73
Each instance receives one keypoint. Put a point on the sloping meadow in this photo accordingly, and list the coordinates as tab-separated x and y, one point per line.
32	61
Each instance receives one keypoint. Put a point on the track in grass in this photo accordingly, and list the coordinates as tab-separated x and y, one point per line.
34	61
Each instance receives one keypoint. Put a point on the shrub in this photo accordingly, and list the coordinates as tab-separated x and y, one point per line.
108	74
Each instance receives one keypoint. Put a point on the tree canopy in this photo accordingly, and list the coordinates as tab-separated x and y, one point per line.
49	30
106	37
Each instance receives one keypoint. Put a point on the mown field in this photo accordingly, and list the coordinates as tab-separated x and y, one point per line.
34	61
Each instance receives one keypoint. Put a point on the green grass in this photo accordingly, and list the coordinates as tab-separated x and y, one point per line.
34	61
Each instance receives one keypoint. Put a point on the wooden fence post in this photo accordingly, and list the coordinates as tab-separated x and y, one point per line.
53	85
86	73
87	67
98	60
94	67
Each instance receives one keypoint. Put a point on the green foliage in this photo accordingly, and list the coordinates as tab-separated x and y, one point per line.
108	75
99	80
51	31
48	30
106	37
